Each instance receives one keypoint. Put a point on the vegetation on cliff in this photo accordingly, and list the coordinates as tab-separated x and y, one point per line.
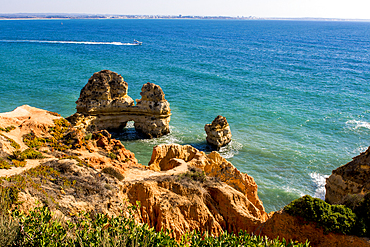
353	218
41	227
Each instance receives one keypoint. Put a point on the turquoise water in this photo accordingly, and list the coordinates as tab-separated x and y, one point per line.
296	94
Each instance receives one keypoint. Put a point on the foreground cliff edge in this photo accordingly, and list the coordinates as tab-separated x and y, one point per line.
182	189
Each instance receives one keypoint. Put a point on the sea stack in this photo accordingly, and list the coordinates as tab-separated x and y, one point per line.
218	132
104	104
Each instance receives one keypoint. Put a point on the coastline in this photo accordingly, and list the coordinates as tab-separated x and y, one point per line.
20	16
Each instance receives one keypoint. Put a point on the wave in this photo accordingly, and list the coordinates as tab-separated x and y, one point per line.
66	42
231	149
354	124
319	180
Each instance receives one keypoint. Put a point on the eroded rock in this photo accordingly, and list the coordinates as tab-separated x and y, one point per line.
214	165
285	226
352	178
104	104
218	132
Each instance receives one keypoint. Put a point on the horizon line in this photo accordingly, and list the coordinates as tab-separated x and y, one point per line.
154	16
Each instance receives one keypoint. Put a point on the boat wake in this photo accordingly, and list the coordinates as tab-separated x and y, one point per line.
67	42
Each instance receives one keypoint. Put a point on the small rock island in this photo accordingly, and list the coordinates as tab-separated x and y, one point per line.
218	132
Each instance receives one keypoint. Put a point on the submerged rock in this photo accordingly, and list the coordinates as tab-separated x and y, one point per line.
350	179
104	104
218	132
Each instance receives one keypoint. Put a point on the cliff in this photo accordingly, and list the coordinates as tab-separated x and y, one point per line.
352	178
76	171
182	189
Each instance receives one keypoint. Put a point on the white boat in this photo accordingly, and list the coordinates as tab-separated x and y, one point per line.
137	42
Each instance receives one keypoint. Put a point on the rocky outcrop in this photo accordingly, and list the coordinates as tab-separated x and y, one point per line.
218	132
283	225
185	190
104	104
51	134
183	204
23	120
352	178
165	157
94	172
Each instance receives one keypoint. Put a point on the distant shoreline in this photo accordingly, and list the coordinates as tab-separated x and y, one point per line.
25	16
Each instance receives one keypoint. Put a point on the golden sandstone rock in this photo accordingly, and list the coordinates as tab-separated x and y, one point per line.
214	165
218	132
285	226
104	104
174	193
350	179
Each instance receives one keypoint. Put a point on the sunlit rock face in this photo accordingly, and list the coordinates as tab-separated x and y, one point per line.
104	104
218	132
350	179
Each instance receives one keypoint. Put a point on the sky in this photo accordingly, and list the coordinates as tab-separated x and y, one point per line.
347	9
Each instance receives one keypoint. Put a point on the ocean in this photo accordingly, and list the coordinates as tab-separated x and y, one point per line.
295	93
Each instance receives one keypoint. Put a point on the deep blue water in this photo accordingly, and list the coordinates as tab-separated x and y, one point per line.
296	94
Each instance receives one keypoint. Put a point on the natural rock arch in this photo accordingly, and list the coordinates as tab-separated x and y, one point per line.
104	104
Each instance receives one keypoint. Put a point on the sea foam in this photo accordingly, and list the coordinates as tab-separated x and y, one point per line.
231	149
319	181
354	124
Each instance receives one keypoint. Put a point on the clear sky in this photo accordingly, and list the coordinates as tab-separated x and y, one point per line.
354	9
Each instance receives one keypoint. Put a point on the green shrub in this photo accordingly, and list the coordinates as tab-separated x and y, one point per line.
362	210
333	218
194	174
74	157
42	228
26	154
9	229
4	164
8	197
112	156
7	129
12	142
88	136
113	172
18	163
32	141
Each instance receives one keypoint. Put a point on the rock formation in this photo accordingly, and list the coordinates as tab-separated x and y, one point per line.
218	132
184	190
104	104
352	178
166	157
283	225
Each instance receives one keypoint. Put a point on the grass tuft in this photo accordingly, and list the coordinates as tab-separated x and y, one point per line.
113	172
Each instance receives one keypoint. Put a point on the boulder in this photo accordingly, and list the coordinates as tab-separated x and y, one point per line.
218	132
104	104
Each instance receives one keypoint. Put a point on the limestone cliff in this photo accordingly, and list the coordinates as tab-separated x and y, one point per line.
183	190
283	225
93	172
218	132
352	178
104	104
165	157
